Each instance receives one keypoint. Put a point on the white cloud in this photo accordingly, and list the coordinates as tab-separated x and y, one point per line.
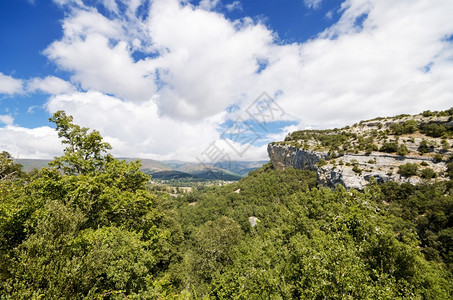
314	4
50	85
235	5
206	63
93	49
329	14
203	56
377	68
69	2
210	63
167	100
136	129
41	142
208	4
6	119
10	85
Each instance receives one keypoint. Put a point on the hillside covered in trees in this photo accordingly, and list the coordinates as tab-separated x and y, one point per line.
89	226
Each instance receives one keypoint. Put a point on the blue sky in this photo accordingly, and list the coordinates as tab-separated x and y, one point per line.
159	78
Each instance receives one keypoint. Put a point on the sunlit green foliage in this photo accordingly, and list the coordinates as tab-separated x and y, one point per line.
428	173
408	169
89	227
433	129
83	227
389	147
402	150
429	209
407	127
311	243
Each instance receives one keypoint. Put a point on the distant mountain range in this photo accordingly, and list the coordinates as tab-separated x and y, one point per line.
174	169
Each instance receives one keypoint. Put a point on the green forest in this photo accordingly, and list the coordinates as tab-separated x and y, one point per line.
90	226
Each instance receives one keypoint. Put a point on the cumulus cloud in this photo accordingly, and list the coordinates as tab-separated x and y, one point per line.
6	119
93	49
41	142
50	85
135	128
10	85
355	70
157	80
202	63
209	61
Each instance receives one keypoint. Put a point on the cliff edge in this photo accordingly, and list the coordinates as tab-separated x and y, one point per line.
405	148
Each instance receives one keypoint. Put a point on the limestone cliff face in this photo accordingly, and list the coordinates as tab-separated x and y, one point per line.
404	148
380	166
283	156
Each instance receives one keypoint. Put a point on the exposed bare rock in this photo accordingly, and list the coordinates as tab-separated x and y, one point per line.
253	221
283	156
352	164
382	167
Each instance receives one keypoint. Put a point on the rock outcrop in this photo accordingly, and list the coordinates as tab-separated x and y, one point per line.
374	150
376	166
283	156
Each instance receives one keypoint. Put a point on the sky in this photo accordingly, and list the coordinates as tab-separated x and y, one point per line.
215	80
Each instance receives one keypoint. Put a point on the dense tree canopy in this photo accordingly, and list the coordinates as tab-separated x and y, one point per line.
83	227
90	227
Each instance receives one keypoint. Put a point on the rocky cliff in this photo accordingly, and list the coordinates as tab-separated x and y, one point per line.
376	150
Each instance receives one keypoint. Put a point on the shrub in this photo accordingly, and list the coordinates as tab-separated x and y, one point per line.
396	128
434	130
389	147
409	126
449	111
428	173
437	157
371	147
450	170
424	163
321	162
356	169
402	150
428	113
424	147
445	145
408	169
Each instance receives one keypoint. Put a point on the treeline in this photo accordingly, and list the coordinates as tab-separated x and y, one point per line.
90	227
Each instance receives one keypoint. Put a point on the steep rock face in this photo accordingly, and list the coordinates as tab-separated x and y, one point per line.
405	148
283	156
379	166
